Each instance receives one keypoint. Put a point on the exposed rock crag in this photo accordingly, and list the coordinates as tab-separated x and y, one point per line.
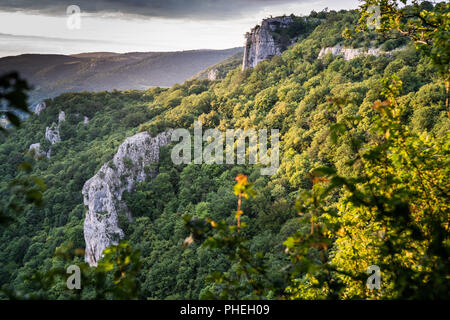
260	43
102	193
52	134
61	116
349	53
39	108
36	148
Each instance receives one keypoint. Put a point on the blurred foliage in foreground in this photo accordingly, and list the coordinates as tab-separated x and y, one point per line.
25	188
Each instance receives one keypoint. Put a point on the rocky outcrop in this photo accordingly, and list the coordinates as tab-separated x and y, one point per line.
260	43
35	148
86	120
349	53
39	108
102	193
61	116
52	132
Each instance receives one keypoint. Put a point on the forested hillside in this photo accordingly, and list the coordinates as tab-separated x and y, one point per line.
308	100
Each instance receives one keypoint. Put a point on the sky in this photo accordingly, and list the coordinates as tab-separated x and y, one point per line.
51	26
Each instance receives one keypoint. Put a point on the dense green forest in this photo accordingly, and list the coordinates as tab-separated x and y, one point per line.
306	233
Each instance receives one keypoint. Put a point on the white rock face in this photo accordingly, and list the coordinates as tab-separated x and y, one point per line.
349	53
102	193
39	108
260	44
52	134
86	120
61	117
36	147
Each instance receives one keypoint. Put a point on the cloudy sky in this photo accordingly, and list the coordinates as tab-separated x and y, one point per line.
45	26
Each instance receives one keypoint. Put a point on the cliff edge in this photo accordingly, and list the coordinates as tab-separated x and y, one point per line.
260	43
102	193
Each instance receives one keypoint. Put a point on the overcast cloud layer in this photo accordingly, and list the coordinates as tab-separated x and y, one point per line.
194	9
41	26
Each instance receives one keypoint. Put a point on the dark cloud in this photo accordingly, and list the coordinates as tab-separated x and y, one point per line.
195	9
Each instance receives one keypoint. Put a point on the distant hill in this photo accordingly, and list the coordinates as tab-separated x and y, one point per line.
52	74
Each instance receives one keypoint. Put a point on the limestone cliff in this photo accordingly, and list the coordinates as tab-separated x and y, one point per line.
349	53
102	193
35	148
61	117
39	108
260	43
52	134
